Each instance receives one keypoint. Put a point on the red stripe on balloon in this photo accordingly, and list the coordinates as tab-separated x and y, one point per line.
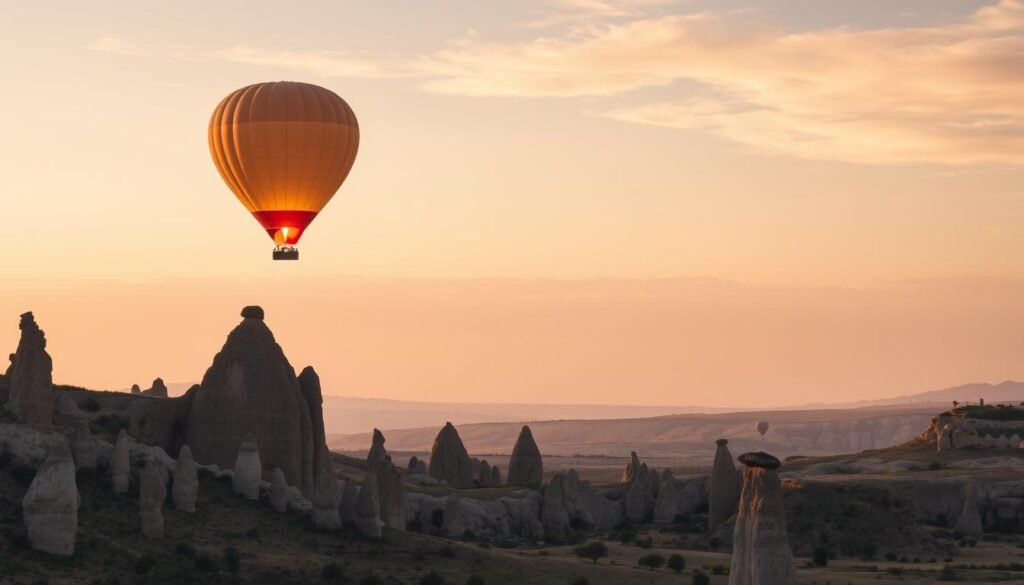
275	221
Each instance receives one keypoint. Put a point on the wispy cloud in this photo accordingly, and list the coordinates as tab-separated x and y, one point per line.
947	94
115	45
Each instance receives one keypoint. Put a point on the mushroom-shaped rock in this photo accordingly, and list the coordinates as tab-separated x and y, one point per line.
50	507
761	553
279	492
120	464
377	451
368	507
326	497
30	381
449	460
186	481
247	472
152	493
970	519
392	495
136	389
525	466
252	388
414	462
83	446
724	488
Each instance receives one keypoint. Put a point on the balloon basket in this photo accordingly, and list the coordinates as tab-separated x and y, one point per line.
286	253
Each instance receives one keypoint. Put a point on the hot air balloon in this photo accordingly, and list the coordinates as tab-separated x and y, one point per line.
762	427
284	148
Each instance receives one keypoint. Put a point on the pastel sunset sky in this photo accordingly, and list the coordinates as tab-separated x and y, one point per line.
607	201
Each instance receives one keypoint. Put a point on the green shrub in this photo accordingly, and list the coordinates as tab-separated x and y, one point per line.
432	578
593	550
185	549
447	551
475	580
371	579
205	563
700	578
652	561
23	474
580	581
645	543
719	570
677	563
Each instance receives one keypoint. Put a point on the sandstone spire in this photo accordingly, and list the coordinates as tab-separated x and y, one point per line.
50	507
279	492
83	446
632	468
326	498
252	388
724	489
392	495
525	466
377	451
761	553
31	385
245	479
449	460
368	507
186	481
157	390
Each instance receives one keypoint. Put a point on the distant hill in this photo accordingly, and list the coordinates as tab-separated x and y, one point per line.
1008	391
684	436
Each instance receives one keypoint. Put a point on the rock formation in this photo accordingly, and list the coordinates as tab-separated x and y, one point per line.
525	466
157	390
326	498
632	468
392	495
555	518
368	507
349	503
83	446
248	470
279	492
495	477
636	501
449	460
309	384
50	507
414	462
377	451
724	489
136	389
454	518
970	519
484	479
186	481
761	553
251	388
30	382
152	493
120	464
666	507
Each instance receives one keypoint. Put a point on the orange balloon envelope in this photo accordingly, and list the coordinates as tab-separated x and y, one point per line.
284	148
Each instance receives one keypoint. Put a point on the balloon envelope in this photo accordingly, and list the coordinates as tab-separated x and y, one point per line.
284	148
762	427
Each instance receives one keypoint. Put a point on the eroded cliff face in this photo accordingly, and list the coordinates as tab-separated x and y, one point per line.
957	430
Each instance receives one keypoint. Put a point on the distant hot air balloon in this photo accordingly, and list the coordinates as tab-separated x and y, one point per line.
284	148
762	427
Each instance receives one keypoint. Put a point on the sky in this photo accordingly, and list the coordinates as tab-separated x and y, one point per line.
602	201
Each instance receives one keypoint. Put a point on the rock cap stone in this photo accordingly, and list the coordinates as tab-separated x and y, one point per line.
253	312
759	459
721	442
